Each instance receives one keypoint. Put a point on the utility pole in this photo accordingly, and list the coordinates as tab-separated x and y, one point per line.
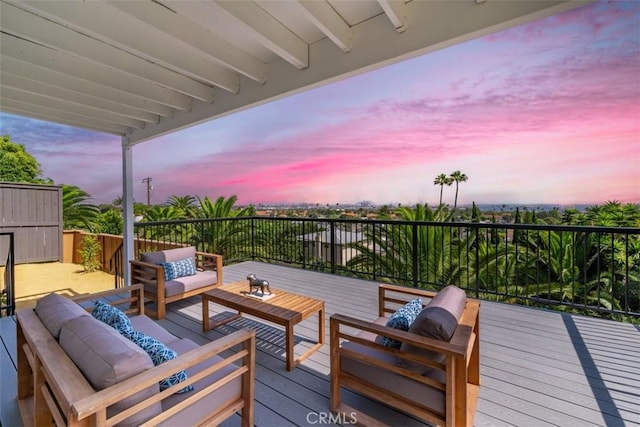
148	181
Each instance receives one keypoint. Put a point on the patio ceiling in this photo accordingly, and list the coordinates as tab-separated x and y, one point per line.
140	69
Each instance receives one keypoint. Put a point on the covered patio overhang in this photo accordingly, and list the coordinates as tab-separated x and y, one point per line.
142	69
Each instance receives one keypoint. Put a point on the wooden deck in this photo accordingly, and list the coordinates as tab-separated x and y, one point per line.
538	367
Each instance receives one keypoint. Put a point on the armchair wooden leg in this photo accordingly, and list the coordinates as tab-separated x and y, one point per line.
334	362
161	310
249	383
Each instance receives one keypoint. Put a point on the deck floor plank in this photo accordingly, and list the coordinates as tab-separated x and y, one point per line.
538	367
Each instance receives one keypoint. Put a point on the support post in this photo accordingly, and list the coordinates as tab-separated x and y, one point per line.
127	205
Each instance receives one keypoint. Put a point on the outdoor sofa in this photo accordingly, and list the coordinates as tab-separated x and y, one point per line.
76	370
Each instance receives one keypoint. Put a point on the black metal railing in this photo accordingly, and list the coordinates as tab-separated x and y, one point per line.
7	286
587	269
116	267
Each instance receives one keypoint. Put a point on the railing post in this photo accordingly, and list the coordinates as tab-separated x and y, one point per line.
253	239
333	245
414	254
477	261
376	227
305	251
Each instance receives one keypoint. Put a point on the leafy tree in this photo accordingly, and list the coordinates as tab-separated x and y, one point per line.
77	213
17	165
384	211
457	177
553	217
110	222
530	217
517	232
476	215
443	180
494	235
139	209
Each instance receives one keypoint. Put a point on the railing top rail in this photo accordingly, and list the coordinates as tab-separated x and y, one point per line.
538	227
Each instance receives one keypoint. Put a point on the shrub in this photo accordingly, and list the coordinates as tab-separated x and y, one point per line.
90	253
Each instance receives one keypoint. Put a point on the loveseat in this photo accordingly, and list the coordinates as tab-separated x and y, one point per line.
174	274
74	369
421	355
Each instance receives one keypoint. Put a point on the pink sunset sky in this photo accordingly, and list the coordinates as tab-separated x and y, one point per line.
545	113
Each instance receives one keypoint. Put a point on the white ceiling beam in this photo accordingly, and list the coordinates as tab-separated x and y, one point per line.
144	41
81	99
254	20
71	107
322	15
195	38
27	51
78	85
271	33
24	24
63	117
396	11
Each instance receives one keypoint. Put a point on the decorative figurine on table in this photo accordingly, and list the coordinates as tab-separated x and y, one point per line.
255	283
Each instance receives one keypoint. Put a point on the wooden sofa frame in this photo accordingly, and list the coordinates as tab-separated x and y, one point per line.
153	275
461	366
52	390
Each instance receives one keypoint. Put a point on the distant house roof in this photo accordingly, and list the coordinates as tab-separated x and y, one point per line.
342	237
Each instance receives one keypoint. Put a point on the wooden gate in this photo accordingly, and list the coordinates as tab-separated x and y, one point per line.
34	214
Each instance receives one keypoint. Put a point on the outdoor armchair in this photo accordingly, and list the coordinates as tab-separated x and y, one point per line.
431	372
174	274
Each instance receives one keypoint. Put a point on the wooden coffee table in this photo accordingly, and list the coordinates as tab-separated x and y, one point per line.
284	308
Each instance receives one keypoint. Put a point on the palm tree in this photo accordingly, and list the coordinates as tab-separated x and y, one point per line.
76	212
442	180
222	235
186	204
572	216
164	231
161	213
441	254
457	177
221	208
